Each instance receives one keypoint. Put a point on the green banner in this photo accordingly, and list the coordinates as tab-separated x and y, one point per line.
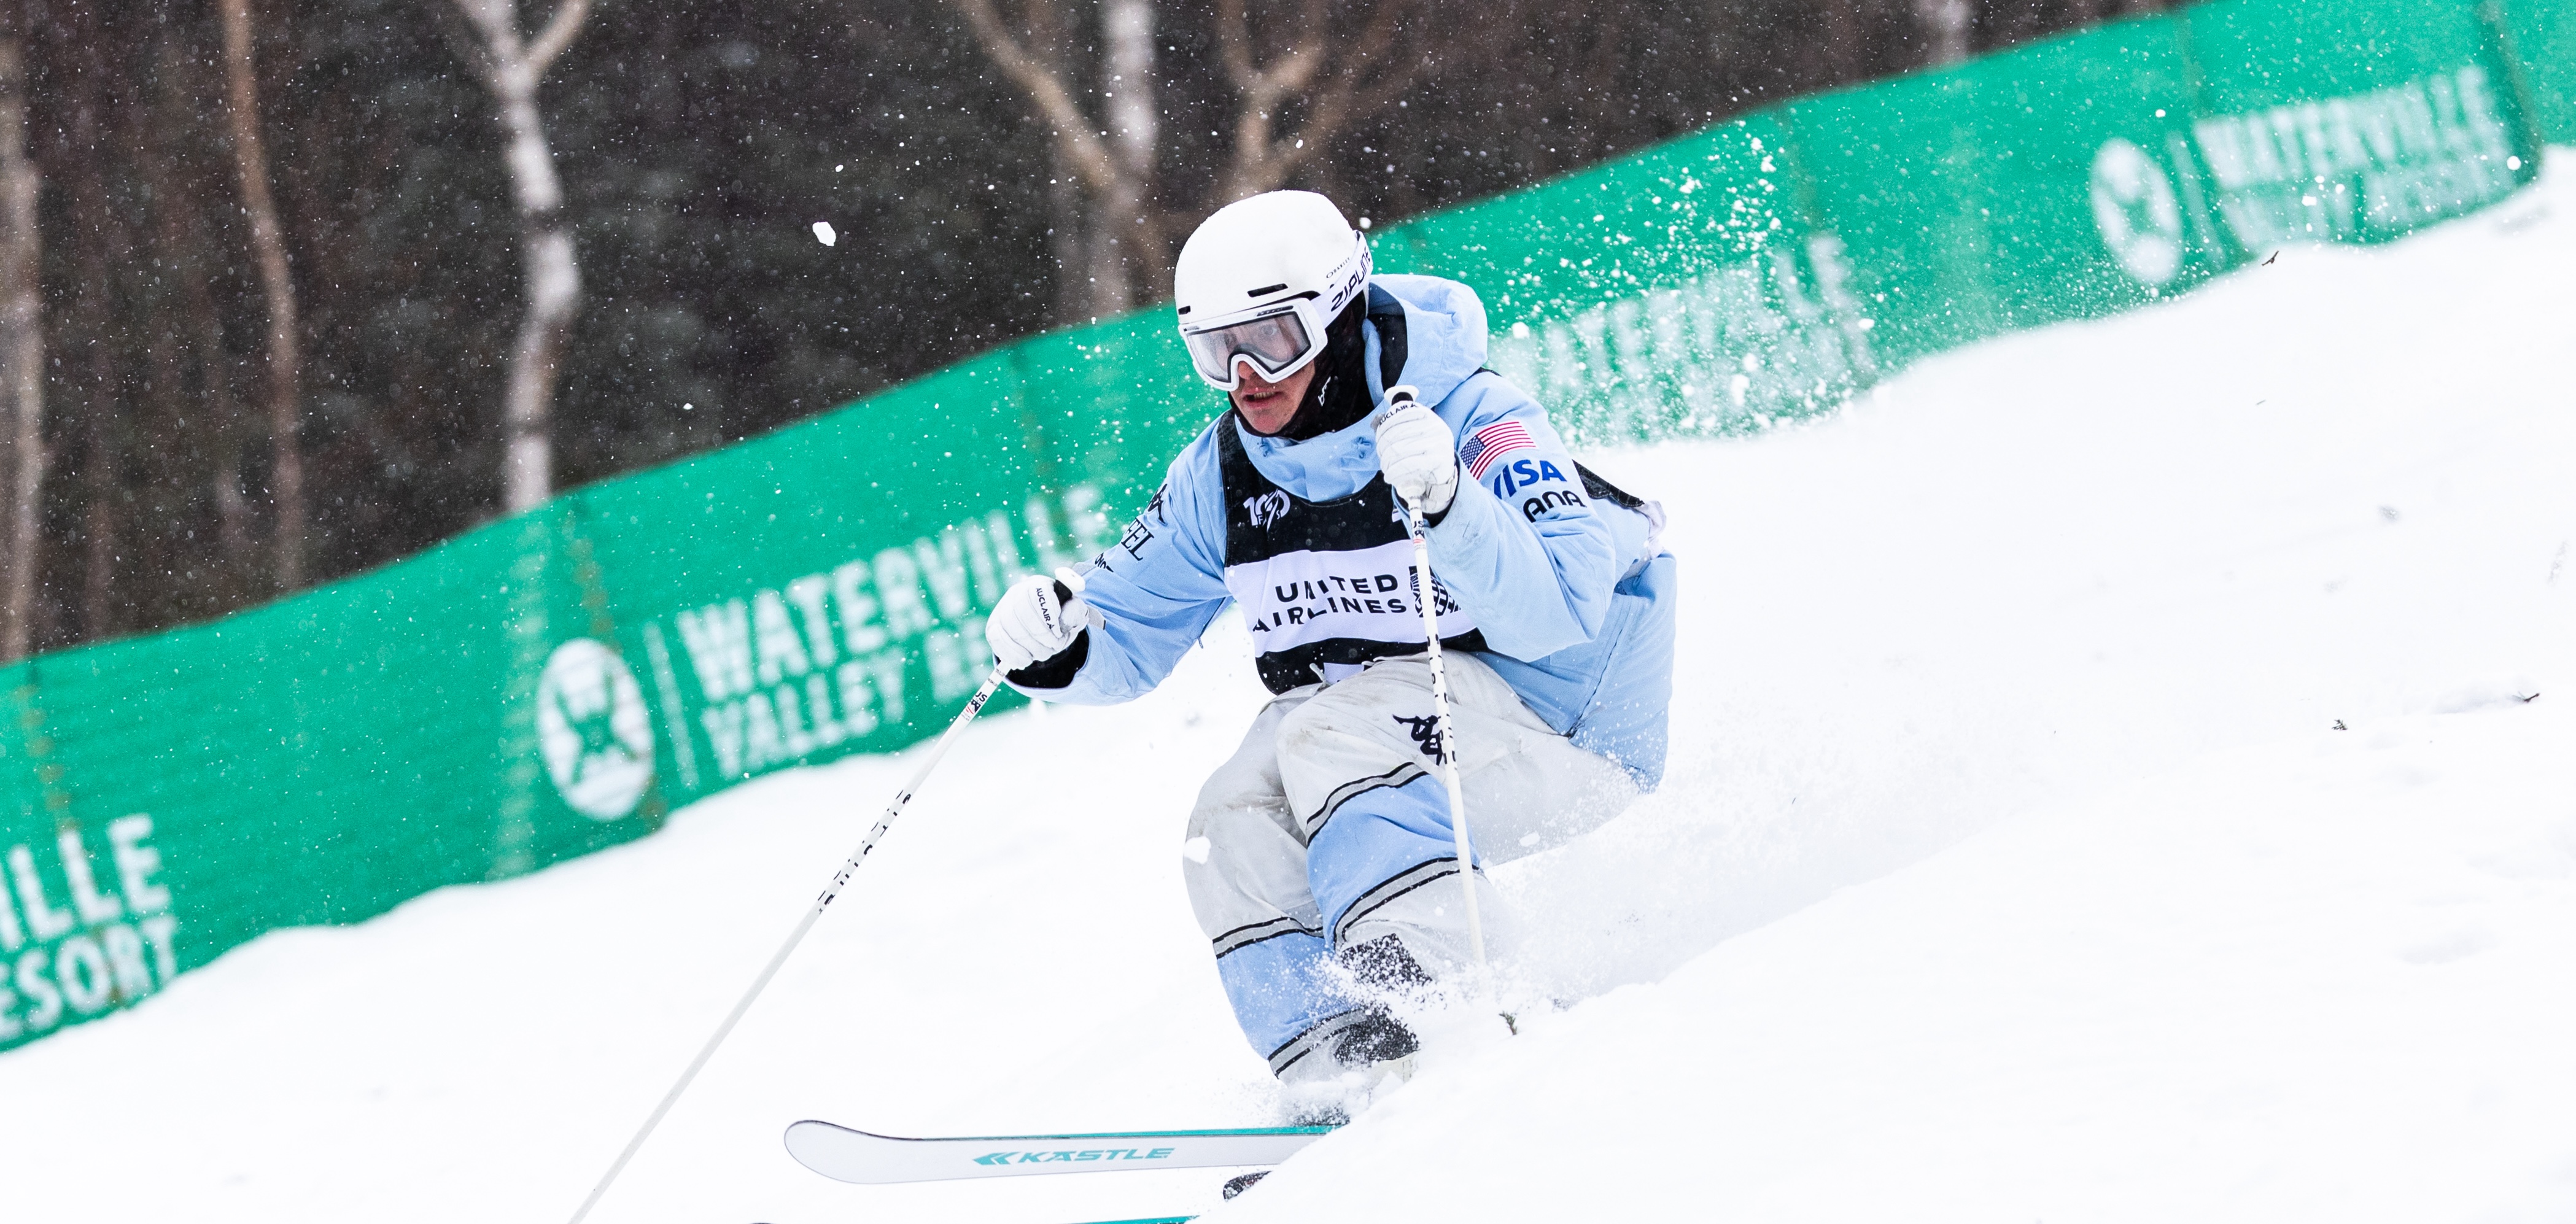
558	682
2542	39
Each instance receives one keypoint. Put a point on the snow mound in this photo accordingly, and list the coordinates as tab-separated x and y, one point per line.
2327	977
2011	864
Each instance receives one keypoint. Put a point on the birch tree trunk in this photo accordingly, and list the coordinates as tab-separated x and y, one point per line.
1945	30
554	293
1122	269
512	68
268	250
1121	249
1127	249
22	380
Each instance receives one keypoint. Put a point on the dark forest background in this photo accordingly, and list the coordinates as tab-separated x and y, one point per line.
276	309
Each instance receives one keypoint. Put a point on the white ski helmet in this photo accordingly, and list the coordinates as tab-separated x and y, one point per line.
1261	279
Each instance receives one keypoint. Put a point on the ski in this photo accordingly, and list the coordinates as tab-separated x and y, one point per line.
844	1154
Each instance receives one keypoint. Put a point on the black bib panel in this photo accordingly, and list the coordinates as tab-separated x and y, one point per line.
1324	586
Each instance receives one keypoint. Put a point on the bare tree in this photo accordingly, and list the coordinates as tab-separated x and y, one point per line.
1123	247
22	378
1129	237
88	149
196	339
1945	29
268	248
1119	243
1333	81
177	326
512	66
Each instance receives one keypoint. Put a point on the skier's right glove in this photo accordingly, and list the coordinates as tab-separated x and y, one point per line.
1036	631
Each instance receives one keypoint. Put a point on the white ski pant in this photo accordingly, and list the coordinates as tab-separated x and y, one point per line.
1329	828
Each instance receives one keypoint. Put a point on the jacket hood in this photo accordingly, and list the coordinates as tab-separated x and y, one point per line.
1443	343
1444	334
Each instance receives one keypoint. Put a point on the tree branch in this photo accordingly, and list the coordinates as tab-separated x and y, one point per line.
1083	148
1262	87
558	35
498	26
1343	99
1263	164
1261	90
465	41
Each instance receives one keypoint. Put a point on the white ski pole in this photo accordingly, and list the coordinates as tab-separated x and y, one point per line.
840	878
1424	598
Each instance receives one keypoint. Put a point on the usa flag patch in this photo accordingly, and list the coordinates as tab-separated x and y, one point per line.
1493	440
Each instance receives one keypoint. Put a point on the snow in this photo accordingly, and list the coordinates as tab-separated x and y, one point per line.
2010	867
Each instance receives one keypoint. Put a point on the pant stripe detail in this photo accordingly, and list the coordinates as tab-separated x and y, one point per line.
1318	1037
1389	889
1252	933
1402	775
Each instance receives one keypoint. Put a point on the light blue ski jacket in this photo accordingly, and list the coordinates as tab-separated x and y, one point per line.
1562	574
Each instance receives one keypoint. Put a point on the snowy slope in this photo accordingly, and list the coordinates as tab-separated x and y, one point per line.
2328	977
2009	863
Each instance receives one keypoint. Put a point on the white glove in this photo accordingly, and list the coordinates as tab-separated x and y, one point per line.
1037	619
1417	452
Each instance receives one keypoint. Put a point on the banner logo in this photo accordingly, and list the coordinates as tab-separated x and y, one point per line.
2134	208
1766	336
593	729
2361	166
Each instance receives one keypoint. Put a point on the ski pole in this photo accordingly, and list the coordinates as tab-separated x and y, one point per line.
1448	754
840	878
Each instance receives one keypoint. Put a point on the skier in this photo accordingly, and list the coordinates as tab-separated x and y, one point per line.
1319	858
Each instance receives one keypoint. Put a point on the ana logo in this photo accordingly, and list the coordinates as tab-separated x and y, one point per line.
2133	207
593	729
1544	502
1266	509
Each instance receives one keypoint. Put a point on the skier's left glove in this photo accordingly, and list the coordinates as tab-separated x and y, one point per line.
1417	452
1037	631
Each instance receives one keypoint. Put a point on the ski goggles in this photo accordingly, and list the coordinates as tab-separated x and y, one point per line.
1277	342
1280	337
